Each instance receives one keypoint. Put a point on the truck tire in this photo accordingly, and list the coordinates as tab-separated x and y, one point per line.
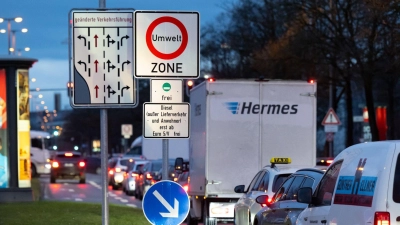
52	180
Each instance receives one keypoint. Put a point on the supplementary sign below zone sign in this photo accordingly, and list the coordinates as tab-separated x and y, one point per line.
166	120
102	58
167	44
166	91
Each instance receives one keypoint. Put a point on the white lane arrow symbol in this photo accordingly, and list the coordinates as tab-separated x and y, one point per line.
173	212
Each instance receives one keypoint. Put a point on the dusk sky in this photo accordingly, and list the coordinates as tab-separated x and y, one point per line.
47	24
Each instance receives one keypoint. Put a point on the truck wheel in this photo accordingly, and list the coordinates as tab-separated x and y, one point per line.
52	180
82	180
33	171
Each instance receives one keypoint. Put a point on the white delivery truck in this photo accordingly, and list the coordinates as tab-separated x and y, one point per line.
41	143
152	148
236	128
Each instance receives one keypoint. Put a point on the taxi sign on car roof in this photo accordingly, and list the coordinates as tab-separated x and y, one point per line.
281	160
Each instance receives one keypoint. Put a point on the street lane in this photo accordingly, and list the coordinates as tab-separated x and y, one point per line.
71	190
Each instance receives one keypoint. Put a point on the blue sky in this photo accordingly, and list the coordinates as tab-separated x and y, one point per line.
47	24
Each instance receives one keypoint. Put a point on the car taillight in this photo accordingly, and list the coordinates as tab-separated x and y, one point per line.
81	164
117	170
111	172
149	177
382	218
55	164
268	201
186	187
134	175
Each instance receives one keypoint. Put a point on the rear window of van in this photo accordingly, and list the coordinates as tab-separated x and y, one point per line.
396	183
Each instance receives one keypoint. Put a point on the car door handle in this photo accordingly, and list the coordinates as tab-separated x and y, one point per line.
398	219
323	221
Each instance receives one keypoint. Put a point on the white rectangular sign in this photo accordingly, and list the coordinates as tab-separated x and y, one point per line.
167	44
166	120
331	128
166	91
102	58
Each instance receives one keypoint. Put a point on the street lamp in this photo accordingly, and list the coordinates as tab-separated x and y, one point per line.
17	20
23	30
26	49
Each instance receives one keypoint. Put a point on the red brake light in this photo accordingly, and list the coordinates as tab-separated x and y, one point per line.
211	79
186	187
268	202
329	161
81	164
382	218
68	154
111	172
134	175
148	176
117	170
55	164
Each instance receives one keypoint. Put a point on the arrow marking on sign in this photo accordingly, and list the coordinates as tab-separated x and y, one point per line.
110	91
95	40
97	90
126	37
96	64
108	65
80	37
122	90
127	63
173	212
108	41
80	63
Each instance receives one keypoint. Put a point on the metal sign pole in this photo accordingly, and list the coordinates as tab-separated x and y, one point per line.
165	159
104	154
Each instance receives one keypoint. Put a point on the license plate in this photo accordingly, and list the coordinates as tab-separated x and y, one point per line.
68	165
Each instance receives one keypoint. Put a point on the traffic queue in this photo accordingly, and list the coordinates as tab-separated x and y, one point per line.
360	186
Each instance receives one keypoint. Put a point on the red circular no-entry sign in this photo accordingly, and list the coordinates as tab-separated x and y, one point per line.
149	42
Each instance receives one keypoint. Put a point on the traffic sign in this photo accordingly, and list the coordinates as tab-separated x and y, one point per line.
331	118
166	91
167	44
166	202
101	64
168	120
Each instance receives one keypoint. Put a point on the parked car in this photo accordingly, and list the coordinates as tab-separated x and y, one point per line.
68	165
129	183
266	181
117	168
284	208
150	174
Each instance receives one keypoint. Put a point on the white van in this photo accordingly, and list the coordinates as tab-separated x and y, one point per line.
362	186
41	143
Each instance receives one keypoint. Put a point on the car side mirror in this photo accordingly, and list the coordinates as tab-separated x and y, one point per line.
304	195
239	189
263	200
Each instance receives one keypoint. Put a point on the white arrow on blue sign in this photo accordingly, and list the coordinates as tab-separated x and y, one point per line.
166	203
